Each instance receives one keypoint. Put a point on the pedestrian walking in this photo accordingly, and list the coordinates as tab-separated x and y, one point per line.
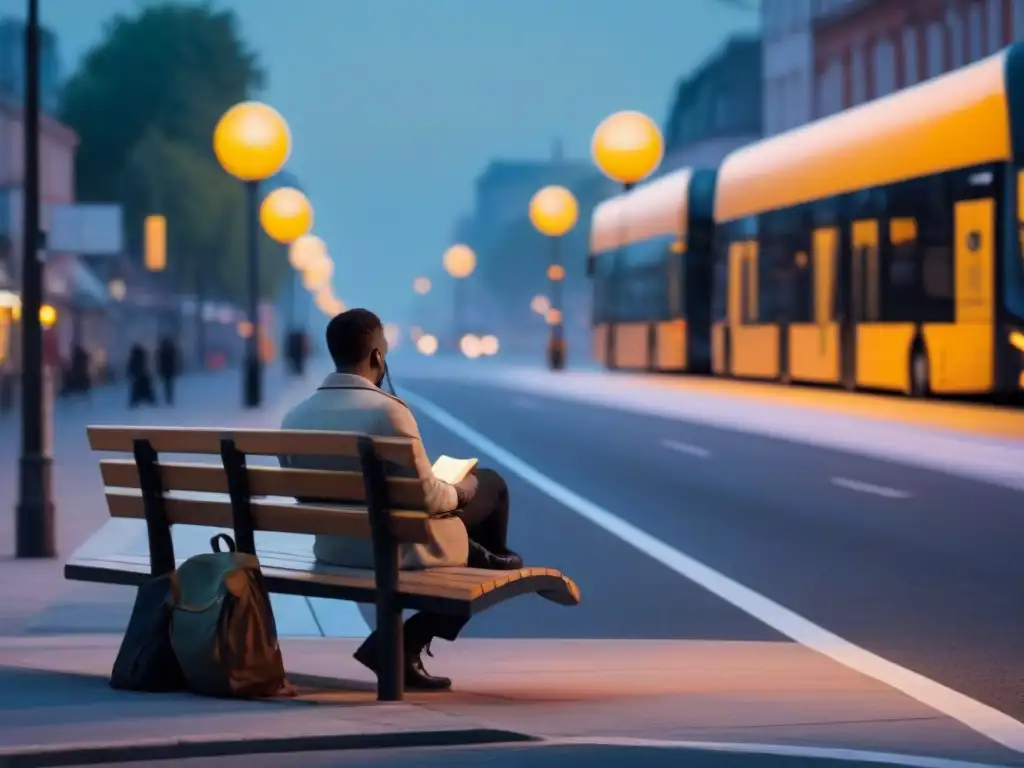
169	367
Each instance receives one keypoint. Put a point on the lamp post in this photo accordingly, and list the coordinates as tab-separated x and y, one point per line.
554	212
252	143
34	514
459	262
286	215
627	147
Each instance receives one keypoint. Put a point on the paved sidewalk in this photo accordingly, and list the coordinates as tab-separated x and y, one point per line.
33	594
54	695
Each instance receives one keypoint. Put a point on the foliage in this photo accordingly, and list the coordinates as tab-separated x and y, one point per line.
144	104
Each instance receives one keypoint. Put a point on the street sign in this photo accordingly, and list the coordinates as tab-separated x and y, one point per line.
87	229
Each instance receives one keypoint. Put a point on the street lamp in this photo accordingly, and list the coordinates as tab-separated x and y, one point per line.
318	275
459	261
34	514
304	251
252	143
627	147
421	285
554	212
286	215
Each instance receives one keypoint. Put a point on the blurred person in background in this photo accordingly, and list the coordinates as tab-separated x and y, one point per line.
168	367
140	382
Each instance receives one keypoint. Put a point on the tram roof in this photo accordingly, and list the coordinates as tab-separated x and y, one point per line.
655	209
954	121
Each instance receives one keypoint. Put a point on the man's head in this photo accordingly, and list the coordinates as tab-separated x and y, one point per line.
357	345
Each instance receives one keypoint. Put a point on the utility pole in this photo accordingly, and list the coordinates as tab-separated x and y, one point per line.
34	527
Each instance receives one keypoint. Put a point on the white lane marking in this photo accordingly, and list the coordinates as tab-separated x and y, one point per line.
986	720
689	448
874	490
787	750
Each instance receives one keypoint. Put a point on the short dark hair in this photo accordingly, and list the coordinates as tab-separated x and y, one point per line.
350	337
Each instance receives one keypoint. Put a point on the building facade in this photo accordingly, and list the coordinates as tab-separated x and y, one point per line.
787	64
717	108
865	49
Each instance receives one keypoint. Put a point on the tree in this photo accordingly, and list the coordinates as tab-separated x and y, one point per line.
144	104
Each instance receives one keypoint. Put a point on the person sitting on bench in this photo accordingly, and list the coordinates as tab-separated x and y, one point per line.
351	400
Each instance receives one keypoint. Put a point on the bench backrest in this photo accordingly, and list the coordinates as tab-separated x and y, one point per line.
125	486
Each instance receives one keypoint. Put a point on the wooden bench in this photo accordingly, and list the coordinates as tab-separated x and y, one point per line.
389	512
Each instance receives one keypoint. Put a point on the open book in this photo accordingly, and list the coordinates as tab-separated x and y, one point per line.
453	470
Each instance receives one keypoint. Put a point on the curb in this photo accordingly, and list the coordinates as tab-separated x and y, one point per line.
238	745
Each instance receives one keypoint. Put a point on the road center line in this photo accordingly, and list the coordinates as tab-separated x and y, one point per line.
689	448
986	720
874	490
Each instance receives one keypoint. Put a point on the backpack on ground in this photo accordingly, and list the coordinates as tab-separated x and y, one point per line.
222	626
146	661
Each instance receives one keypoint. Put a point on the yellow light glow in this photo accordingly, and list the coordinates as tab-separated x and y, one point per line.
470	346
427	344
305	250
556	272
245	329
392	333
554	316
155	246
252	141
540	305
47	316
421	285
489	345
553	211
286	215
1017	340
627	146
318	274
459	261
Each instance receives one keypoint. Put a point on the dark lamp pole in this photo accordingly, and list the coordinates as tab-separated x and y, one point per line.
253	374
34	515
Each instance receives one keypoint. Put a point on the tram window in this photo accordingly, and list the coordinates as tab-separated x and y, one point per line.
938	273
901	291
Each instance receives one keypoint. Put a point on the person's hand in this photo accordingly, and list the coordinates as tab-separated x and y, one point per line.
466	488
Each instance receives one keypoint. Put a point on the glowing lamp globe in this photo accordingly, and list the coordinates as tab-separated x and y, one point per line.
421	285
627	147
459	261
556	272
286	215
252	141
553	211
305	251
427	344
392	334
540	305
470	346
489	345
554	317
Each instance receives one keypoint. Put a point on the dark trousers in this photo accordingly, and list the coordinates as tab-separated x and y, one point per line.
486	514
169	389
486	519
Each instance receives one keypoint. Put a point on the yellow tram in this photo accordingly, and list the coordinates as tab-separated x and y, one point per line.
651	263
879	248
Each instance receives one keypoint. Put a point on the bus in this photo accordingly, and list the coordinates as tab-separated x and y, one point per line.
650	259
881	248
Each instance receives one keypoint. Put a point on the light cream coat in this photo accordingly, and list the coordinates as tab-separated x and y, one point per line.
349	403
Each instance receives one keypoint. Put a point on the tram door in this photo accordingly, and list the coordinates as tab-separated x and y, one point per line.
863	295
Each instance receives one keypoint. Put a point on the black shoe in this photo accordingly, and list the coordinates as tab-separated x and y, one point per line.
481	557
416	677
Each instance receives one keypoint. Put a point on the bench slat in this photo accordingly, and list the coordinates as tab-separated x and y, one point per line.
256	442
406	526
432	583
405	493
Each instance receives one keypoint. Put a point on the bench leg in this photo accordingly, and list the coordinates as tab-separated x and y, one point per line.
391	666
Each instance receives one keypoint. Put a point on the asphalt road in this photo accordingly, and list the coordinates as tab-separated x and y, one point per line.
921	568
